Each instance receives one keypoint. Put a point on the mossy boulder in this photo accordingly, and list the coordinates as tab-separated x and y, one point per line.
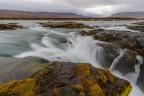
10	26
64	25
79	79
68	79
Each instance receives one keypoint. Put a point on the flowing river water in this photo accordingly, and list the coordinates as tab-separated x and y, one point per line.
64	45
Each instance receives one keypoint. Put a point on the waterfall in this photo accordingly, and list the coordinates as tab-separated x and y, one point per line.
71	47
131	77
67	47
116	60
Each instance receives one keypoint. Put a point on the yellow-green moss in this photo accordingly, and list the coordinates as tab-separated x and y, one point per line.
95	90
25	87
126	90
109	76
82	69
102	76
78	87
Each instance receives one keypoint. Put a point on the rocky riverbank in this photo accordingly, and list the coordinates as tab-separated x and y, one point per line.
68	79
10	26
64	25
139	26
124	39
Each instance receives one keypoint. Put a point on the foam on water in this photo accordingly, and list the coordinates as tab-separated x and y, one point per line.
67	47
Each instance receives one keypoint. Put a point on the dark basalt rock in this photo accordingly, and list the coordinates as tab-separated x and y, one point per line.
10	26
124	39
111	52
136	28
127	62
68	79
64	25
71	79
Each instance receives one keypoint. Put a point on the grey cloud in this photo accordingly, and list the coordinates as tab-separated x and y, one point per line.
82	7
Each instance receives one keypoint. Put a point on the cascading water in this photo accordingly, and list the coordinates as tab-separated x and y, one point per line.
71	47
131	77
68	47
122	53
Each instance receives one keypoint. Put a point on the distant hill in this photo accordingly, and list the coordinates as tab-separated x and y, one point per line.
129	14
25	14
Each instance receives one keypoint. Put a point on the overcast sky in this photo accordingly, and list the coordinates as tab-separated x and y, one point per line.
82	7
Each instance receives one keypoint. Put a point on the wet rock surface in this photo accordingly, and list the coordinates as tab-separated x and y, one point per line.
127	62
137	28
124	39
111	52
10	26
64	25
69	79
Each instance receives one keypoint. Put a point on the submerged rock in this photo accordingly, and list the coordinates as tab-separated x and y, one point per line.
64	25
10	26
68	79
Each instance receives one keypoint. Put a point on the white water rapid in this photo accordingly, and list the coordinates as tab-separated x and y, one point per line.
71	47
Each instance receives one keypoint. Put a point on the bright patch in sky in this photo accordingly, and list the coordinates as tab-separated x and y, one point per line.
101	10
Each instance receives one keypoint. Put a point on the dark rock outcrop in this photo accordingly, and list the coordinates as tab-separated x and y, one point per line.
68	79
10	26
139	23
136	28
127	62
64	25
111	52
124	39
